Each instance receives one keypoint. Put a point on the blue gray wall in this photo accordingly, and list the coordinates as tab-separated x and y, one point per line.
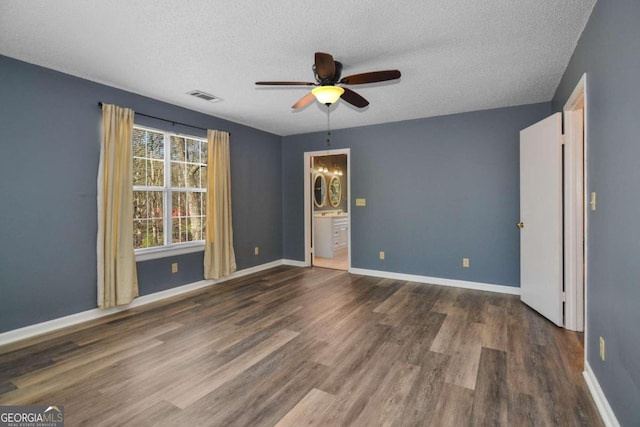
436	190
49	153
609	52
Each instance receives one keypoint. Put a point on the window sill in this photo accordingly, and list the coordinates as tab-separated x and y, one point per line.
168	251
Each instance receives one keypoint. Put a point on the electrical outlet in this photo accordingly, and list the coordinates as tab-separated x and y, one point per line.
174	267
256	250
465	262
592	202
381	255
602	354
361	202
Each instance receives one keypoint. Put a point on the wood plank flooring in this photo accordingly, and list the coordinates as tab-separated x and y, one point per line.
294	346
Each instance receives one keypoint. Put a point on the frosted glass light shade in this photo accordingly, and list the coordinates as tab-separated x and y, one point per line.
327	94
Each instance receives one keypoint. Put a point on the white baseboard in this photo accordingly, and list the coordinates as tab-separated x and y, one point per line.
608	417
85	316
294	263
438	281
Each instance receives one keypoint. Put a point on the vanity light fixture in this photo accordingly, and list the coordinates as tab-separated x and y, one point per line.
322	168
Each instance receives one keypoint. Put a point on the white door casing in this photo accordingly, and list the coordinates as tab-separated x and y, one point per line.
575	207
541	270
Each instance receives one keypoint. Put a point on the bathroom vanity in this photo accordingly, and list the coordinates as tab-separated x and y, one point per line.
331	231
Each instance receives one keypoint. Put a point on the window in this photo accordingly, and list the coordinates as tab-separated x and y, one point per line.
169	186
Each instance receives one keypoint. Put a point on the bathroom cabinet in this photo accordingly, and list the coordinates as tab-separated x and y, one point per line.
331	235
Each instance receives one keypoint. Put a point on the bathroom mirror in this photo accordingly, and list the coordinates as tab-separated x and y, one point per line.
319	190
335	191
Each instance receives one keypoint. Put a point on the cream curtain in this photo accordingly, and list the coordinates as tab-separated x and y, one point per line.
219	257
117	275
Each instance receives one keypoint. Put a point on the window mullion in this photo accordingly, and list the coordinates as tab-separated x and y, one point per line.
166	193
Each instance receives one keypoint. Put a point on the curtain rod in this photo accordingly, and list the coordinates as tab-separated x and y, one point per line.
166	120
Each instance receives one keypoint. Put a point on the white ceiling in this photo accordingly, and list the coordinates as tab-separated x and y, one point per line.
454	55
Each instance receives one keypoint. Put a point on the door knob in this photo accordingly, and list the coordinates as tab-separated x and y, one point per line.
520	224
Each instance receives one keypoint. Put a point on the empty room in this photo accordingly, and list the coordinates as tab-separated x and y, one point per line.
291	213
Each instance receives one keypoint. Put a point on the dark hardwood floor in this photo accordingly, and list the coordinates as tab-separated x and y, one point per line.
294	346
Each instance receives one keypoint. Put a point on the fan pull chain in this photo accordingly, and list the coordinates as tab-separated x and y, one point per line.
328	126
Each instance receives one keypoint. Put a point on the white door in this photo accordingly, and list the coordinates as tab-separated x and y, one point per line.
541	217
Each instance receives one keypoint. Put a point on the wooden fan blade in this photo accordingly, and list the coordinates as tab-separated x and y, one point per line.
372	77
286	83
325	66
353	98
304	101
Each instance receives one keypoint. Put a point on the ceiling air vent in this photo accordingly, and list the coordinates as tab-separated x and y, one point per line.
203	95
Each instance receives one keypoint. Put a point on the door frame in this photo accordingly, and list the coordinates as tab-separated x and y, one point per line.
576	247
308	201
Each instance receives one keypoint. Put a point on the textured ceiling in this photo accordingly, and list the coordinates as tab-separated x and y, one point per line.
454	55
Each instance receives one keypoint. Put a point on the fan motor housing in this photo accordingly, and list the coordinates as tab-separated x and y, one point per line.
328	82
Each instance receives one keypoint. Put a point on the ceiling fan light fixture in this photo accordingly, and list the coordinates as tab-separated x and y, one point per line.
327	94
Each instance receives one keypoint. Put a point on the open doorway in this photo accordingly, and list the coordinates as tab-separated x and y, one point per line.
575	207
327	209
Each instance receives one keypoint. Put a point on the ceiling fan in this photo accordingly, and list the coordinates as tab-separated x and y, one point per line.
327	73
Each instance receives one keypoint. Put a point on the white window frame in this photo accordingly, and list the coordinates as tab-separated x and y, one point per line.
168	249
